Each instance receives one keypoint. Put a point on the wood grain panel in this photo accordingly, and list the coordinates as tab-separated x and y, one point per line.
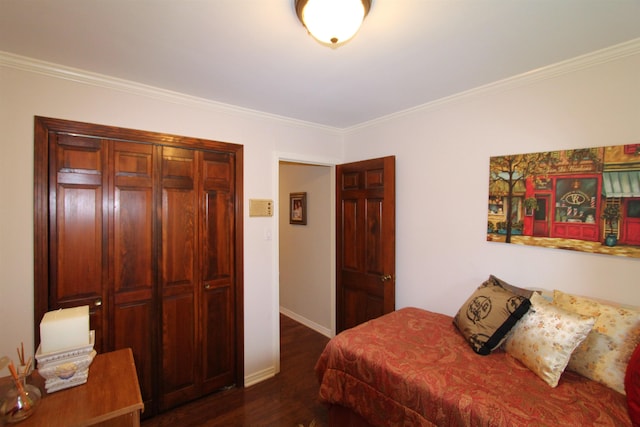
78	154
219	330
217	237
217	171
350	180
350	235
374	178
178	237
79	243
178	351
133	238
132	325
374	241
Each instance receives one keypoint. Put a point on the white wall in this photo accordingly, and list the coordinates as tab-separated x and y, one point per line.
442	155
442	174
29	88
307	273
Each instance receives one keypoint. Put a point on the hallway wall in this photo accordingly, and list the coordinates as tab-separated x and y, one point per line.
306	274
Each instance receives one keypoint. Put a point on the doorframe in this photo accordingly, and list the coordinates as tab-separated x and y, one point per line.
275	280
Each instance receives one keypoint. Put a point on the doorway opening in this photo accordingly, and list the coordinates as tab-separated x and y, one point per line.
306	253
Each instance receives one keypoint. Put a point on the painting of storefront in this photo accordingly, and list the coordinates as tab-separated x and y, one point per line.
583	199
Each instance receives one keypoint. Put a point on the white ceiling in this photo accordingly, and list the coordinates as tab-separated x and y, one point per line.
255	53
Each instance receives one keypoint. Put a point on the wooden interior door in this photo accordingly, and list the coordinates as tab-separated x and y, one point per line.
365	239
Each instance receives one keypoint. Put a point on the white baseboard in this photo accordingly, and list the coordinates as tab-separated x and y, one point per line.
267	373
306	322
259	376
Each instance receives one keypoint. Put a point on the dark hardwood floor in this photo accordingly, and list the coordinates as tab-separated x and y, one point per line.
287	400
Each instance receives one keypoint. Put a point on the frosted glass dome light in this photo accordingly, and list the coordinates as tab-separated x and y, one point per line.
332	22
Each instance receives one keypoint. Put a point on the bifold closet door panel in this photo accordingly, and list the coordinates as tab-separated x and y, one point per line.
78	272
134	255
218	259
179	219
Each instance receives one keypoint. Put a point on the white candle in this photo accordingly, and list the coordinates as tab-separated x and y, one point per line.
64	328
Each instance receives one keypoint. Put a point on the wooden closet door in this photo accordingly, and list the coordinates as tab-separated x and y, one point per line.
146	229
218	278
78	262
134	256
179	224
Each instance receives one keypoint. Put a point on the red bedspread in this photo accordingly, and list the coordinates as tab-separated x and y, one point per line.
412	368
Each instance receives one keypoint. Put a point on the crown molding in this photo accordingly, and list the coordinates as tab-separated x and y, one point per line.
50	69
582	62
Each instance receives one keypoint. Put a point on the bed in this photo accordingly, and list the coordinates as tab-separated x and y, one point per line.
413	367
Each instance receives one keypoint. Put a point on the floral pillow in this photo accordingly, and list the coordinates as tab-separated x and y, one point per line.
488	315
603	356
545	337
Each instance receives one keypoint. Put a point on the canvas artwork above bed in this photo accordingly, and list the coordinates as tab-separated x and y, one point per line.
581	199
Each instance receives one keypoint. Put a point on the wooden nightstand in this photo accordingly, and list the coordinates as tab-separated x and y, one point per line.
110	397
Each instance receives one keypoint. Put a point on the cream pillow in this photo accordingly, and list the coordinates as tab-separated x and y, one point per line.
603	356
545	337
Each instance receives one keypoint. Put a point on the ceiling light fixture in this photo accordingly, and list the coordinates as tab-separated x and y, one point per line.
332	22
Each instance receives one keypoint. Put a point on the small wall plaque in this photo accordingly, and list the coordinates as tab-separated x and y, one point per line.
260	207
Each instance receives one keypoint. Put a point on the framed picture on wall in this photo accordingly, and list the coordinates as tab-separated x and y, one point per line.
298	208
578	199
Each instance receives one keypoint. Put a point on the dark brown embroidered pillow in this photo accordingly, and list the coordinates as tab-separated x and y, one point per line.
494	281
488	315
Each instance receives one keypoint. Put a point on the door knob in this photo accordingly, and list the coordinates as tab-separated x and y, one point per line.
385	278
98	302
